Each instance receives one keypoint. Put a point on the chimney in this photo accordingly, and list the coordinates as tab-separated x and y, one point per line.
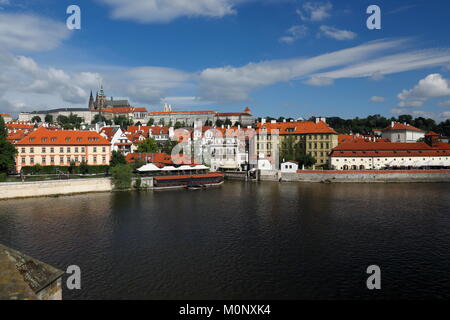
392	124
273	121
284	120
263	120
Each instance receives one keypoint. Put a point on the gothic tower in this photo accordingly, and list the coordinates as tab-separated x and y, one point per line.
91	103
101	103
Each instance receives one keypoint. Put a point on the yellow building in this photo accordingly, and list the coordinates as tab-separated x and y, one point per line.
61	147
305	137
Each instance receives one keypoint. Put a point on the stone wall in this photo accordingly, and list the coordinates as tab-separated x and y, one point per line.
368	176
10	190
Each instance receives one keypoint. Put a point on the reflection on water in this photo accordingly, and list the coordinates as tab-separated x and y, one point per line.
243	240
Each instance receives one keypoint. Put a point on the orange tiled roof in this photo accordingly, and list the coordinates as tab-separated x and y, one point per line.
16	136
233	114
300	127
401	126
177	112
119	110
5	115
162	158
389	149
19	125
44	136
140	110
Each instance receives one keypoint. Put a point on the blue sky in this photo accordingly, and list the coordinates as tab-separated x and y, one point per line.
280	57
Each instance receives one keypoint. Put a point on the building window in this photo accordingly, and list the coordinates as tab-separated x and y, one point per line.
31	150
61	150
104	159
43	150
23	150
23	160
61	160
68	149
95	149
52	150
44	160
31	160
104	149
76	149
52	160
95	159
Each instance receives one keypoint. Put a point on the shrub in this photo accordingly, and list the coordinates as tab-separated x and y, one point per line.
3	177
121	176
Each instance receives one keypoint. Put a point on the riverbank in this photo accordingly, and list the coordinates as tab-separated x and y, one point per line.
13	190
382	176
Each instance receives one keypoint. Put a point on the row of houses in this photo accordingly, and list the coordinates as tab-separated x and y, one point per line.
261	146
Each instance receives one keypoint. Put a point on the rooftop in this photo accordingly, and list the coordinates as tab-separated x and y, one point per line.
44	136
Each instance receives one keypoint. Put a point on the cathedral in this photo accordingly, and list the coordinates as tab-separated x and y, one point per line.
101	102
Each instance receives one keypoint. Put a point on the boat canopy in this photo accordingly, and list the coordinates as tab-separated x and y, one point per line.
149	167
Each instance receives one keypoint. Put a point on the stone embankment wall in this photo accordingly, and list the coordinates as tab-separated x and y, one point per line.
365	176
10	190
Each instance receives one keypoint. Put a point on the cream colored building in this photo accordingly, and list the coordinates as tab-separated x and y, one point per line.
60	147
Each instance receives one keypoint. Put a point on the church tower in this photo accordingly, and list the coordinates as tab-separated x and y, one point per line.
91	103
101	103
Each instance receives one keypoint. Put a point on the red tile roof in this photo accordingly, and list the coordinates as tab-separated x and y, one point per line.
401	126
19	125
16	136
300	127
157	158
44	136
389	149
233	114
119	110
5	115
140	110
177	112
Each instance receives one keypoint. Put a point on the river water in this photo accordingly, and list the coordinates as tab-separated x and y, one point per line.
243	241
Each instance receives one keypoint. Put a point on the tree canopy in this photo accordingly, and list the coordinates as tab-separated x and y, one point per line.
149	145
7	150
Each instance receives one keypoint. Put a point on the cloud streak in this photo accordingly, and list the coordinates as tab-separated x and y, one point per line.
30	33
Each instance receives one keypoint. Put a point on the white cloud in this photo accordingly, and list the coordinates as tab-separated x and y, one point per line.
391	64
23	76
445	115
433	86
294	33
337	34
30	33
377	99
319	81
315	11
161	11
234	83
444	104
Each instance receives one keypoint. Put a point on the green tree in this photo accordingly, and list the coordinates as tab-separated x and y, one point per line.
48	118
307	160
121	176
98	118
36	119
178	125
168	145
3	128
219	123
150	122
84	168
149	145
7	150
228	122
117	159
208	123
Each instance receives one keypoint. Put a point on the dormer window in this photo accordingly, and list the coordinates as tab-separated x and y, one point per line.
67	139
